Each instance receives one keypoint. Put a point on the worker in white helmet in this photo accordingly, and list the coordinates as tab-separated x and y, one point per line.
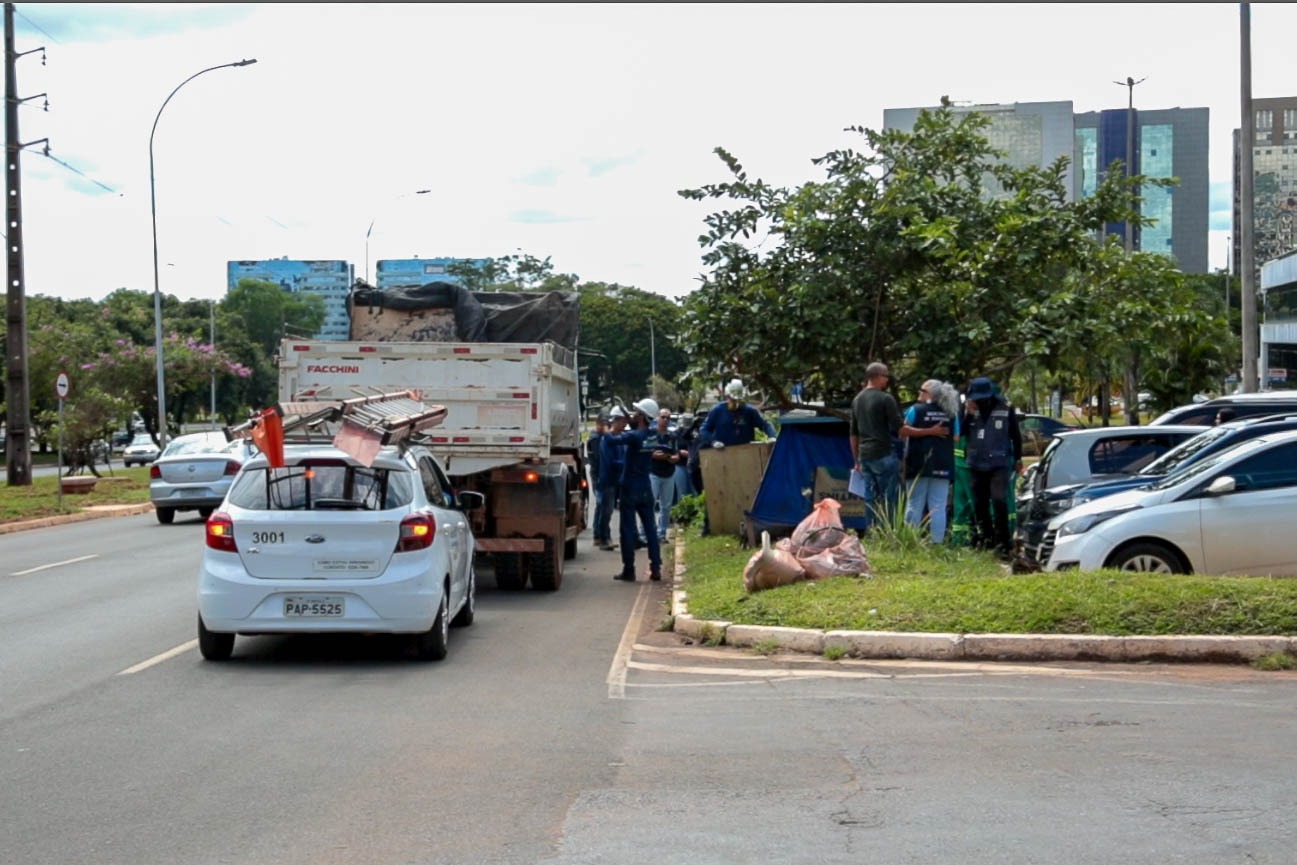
734	422
635	493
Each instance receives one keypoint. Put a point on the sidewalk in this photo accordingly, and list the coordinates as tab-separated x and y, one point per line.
970	647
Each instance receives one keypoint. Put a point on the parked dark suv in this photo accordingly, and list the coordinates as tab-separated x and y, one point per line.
1243	405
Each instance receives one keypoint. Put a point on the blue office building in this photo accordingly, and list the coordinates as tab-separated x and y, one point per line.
397	272
330	280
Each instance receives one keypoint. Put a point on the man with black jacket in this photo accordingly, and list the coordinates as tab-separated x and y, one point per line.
994	454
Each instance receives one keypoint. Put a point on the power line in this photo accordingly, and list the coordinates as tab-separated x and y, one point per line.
35	25
78	171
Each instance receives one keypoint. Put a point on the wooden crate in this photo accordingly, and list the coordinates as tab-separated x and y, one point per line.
731	478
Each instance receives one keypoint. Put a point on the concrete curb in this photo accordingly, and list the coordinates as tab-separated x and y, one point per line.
90	513
972	647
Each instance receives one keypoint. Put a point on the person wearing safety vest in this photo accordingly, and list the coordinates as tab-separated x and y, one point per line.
929	430
994	454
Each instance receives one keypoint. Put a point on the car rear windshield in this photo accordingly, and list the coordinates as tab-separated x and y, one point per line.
322	486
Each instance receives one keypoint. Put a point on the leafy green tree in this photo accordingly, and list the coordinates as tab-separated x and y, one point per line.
625	333
266	313
924	252
521	272
89	417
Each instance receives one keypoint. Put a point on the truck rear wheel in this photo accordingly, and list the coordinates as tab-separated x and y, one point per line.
546	567
569	549
509	575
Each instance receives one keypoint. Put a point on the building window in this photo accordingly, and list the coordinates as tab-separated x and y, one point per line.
1290	118
1264	120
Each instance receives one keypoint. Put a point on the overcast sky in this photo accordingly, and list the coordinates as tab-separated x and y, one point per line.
560	130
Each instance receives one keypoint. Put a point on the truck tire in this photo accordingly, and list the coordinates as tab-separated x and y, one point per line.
509	575
546	567
569	549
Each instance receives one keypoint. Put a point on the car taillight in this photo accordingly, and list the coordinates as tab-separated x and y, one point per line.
154	472
220	533
417	533
232	467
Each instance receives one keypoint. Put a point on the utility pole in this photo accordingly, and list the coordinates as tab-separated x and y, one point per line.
1246	205
18	454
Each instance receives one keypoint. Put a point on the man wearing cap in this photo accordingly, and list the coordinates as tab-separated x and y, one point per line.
993	450
635	493
734	422
874	422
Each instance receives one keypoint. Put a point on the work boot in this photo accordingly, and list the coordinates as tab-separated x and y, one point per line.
607	546
625	577
655	574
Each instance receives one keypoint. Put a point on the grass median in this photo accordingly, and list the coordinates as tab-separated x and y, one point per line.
41	497
922	588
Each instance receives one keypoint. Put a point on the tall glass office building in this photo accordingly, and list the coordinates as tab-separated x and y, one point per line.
1166	143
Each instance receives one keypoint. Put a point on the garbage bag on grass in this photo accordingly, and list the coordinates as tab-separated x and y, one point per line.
770	566
824	547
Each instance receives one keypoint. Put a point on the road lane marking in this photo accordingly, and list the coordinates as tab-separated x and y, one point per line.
621	660
54	565
158	659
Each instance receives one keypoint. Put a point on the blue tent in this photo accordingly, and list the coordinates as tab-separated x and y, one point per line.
789	486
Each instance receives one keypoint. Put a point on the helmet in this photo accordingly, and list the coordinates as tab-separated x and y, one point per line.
735	390
616	413
647	407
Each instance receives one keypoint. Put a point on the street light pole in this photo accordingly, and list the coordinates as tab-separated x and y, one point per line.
212	325
1129	84
653	359
157	291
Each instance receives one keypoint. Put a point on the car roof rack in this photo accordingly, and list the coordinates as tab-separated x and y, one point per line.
362	423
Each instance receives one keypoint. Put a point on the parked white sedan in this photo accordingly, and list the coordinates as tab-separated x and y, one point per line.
1228	514
326	544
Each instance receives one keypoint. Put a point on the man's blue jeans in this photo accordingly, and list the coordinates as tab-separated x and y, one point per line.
632	506
882	485
605	501
664	494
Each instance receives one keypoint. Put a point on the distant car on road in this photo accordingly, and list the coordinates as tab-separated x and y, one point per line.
141	451
194	473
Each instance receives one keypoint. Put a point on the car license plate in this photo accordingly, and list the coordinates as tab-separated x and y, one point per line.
313	606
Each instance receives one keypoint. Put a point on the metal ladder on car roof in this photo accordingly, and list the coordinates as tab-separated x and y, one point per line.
388	418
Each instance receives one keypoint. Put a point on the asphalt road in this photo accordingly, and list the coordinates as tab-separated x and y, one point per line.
565	729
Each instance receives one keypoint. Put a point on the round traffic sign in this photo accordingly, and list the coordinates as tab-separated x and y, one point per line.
62	385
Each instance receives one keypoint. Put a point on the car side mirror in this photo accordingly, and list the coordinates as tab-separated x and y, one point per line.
470	500
1220	486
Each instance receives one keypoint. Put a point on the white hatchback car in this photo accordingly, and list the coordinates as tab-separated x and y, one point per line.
326	544
1230	513
142	450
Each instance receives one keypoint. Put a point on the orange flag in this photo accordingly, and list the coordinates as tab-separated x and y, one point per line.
268	433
